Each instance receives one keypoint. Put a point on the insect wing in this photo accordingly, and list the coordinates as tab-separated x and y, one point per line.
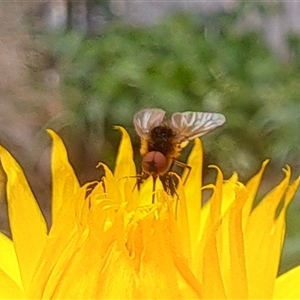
147	119
190	125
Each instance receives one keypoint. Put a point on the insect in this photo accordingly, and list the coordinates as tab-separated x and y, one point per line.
162	140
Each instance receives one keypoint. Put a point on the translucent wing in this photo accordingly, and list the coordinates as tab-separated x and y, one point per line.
190	125
147	119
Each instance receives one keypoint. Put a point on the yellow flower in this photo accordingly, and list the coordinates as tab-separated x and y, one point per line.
108	240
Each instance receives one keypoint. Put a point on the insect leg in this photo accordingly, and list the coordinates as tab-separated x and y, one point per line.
173	187
170	183
154	184
183	165
139	180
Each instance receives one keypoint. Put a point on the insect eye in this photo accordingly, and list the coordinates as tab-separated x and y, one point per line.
154	162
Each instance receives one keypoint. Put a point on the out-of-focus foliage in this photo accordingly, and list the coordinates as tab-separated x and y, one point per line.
186	63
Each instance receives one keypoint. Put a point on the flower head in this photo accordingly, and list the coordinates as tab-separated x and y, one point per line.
109	240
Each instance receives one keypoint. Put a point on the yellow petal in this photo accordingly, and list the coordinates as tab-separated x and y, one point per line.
8	260
110	185
193	191
263	241
125	171
124	163
9	289
292	189
209	219
180	219
223	254
212	282
200	243
230	240
190	284
27	223
157	273
217	206
80	267
287	285
117	282
64	185
252	186
59	250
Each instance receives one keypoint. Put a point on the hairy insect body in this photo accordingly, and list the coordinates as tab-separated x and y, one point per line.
159	150
162	140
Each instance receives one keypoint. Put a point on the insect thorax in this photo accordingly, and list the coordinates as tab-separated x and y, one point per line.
162	139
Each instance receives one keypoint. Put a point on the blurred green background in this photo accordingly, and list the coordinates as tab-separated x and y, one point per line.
187	61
